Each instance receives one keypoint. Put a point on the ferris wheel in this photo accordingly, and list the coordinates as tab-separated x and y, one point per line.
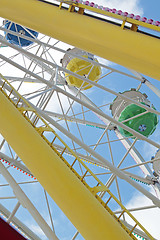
77	130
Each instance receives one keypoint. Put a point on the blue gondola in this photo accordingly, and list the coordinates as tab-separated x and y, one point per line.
20	41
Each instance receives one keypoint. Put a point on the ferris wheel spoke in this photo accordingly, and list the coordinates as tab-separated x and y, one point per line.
61	107
143	163
75	235
100	158
135	154
111	154
111	179
24	200
49	210
20	79
105	116
22	228
145	81
138	208
8	197
19	183
74	119
32	61
14	162
13	212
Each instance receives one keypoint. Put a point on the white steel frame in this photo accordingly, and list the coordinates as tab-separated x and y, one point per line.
108	123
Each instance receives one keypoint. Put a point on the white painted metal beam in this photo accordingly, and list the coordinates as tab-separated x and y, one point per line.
115	170
25	202
15	221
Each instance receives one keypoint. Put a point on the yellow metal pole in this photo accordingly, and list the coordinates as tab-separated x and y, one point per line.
74	199
128	48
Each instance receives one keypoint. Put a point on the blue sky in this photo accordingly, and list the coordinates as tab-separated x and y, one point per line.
151	8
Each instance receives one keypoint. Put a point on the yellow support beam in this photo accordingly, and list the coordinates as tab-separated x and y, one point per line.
74	199
125	47
41	130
